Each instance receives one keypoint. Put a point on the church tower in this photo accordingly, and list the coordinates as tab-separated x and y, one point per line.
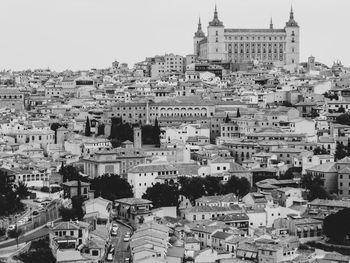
216	39
292	41
198	36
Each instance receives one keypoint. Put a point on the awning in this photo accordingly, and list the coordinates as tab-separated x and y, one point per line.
248	255
319	226
254	255
305	228
312	227
299	229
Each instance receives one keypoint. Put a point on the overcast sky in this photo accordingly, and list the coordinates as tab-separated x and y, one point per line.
83	34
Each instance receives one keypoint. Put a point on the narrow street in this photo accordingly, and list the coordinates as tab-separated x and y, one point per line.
121	247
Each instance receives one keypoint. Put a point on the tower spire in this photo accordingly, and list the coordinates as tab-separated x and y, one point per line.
271	24
215	13
199	24
291	15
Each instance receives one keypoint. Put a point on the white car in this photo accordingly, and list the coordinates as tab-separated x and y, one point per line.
115	227
114	232
127	260
109	257
11	227
126	238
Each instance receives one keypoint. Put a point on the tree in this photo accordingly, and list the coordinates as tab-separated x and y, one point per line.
227	119
289	174
22	190
67	214
87	127
343	119
238	113
192	187
320	150
212	185
315	187
76	212
70	173
330	96
156	133
336	226
341	109
239	186
120	132
77	206
10	201
39	252
340	152
111	187
162	195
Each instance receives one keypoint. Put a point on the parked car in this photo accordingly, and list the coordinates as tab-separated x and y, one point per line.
109	257
127	260
35	212
126	238
114	232
11	227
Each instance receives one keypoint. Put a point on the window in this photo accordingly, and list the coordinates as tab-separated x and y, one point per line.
94	252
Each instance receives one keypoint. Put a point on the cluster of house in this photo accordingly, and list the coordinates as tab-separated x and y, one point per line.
264	226
213	121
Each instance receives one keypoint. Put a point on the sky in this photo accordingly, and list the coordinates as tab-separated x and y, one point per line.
85	34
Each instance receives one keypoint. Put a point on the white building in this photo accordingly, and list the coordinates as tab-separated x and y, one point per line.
183	132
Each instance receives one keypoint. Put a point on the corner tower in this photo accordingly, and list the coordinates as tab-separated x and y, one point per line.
216	38
292	40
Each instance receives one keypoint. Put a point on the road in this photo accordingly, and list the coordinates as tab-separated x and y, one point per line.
121	247
34	235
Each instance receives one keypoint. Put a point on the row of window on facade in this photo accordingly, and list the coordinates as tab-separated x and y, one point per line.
270	38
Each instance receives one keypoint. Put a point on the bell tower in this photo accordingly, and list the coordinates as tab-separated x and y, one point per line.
292	40
198	36
216	38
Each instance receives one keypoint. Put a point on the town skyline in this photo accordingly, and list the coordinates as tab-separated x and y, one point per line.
76	45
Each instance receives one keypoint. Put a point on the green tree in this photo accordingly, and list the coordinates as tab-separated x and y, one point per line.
87	127
239	186
111	187
162	195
